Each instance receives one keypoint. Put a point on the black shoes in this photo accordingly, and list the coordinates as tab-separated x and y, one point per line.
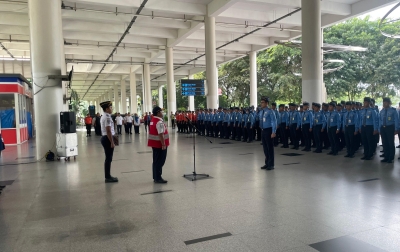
160	181
383	155
317	151
330	153
295	148
349	156
264	167
111	180
270	168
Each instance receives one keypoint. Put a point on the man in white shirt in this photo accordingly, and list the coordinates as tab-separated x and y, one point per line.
129	121
118	120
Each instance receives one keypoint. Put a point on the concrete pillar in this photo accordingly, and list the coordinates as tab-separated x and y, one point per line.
311	51
147	87
116	99
123	96
134	102
161	96
45	40
253	79
211	63
171	86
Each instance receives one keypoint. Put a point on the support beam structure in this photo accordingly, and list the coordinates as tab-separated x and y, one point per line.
311	51
171	87
160	96
117	107
253	79
133	105
123	96
45	40
147	87
211	64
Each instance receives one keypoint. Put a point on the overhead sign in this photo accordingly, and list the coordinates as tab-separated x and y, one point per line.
193	87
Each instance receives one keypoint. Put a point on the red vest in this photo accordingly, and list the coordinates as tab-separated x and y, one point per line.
154	139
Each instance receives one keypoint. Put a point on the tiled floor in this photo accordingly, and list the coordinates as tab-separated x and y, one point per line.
66	206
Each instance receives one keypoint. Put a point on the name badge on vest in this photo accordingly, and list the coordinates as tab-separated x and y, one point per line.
368	117
331	119
316	120
305	118
349	121
151	123
263	119
389	118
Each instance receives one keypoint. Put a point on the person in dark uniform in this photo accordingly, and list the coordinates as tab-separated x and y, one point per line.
350	128
325	137
238	125
389	126
319	126
269	126
294	125
244	124
334	123
273	107
250	125
107	140
158	140
257	124
307	126
283	123
369	123
97	124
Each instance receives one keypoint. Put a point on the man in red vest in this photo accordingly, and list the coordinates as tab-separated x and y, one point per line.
159	141
88	122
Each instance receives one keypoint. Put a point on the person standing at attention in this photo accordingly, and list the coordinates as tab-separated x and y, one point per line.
159	141
269	126
118	120
107	140
129	121
136	123
88	122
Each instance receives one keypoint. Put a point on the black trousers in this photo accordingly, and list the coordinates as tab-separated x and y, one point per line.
284	136
136	129
325	138
119	129
126	127
109	155
232	130
88	129
220	129
294	135
317	136
258	131
306	136
250	133
226	130
334	139
129	128
244	132
350	139
268	147
238	135
387	134
368	140
159	157
173	123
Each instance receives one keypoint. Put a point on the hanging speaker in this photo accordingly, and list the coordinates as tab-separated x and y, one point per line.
67	122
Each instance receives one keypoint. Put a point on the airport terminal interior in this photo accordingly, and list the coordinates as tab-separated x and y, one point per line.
126	51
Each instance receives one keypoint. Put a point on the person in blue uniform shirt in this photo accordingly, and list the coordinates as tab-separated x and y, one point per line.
273	107
325	137
249	125
232	124
319	127
238	125
307	125
388	127
206	120
374	107
227	118
220	123
283	123
357	109
350	127
294	125
369	123
257	124
215	123
334	124
269	125
342	140
244	124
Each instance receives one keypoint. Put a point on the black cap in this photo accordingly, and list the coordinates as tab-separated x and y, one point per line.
339	105
367	99
273	104
306	104
106	104
156	109
317	105
387	99
281	105
372	100
313	103
349	103
332	104
264	98
343	102
325	104
292	104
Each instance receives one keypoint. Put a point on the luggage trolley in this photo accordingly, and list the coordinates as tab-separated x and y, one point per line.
67	145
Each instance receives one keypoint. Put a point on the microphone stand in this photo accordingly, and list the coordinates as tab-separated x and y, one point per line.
194	175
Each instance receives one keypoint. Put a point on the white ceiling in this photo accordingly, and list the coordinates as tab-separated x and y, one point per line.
94	28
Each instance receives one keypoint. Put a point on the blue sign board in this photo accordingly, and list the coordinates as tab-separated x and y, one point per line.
193	87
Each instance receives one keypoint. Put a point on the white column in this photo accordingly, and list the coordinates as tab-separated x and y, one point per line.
253	78
123	96
211	63
171	87
160	96
45	40
134	102
116	99
147	87
191	98
311	51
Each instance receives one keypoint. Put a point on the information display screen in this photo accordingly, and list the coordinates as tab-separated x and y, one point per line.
193	88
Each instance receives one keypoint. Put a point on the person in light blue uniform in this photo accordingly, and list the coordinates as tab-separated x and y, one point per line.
206	121
294	125
238	124
269	125
350	128
342	139
307	121
319	126
232	132
283	123
388	127
250	125
257	124
369	123
273	107
334	124
215	123
227	118
244	124
220	121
